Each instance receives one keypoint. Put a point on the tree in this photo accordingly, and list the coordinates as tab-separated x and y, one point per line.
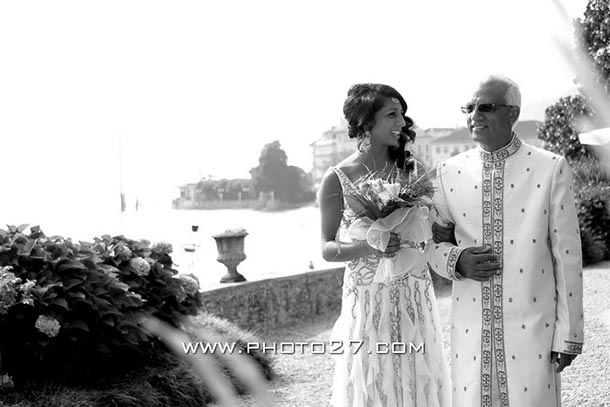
558	130
561	119
595	40
271	164
288	183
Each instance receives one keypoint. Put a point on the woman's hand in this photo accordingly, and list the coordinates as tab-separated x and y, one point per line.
392	248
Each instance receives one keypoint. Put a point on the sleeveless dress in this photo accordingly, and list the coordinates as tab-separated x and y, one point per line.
390	336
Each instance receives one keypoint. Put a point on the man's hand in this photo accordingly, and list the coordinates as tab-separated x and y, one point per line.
478	263
563	360
442	234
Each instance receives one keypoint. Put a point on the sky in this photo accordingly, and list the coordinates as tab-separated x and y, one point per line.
156	94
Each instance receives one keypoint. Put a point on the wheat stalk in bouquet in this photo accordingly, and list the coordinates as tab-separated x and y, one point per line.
375	196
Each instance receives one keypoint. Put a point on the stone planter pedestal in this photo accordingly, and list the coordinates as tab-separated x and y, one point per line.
231	253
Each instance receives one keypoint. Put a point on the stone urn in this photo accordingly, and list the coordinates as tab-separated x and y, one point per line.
230	245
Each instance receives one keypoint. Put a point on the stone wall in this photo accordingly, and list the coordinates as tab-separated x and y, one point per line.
277	301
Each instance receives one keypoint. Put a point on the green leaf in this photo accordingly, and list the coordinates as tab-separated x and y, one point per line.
71	264
101	303
77	294
72	282
27	248
98	291
103	349
49	295
61	303
109	312
108	268
43	341
78	324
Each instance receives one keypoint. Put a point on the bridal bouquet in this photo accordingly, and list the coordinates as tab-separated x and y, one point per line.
395	204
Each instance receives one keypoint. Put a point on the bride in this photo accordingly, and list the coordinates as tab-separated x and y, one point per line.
388	330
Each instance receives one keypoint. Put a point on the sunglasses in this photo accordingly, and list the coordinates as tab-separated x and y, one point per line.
483	107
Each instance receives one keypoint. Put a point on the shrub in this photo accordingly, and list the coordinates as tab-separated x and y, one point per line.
165	379
163	382
592	193
75	307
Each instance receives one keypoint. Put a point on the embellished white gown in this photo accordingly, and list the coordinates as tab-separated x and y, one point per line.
389	333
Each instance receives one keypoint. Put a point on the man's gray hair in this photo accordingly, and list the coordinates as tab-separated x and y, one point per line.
513	94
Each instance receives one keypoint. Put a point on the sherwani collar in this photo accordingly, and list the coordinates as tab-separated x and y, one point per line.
503	153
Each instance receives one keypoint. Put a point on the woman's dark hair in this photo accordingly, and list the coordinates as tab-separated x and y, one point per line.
366	99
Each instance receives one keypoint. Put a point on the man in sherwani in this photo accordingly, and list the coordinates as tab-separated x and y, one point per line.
514	257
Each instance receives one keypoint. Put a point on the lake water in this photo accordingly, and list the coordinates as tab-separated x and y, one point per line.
278	243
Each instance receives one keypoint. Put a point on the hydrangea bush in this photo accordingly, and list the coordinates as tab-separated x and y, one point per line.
67	306
592	193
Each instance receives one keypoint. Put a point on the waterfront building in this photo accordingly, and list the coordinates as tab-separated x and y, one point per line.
331	148
432	146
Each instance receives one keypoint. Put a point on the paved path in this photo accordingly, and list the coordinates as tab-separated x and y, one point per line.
304	380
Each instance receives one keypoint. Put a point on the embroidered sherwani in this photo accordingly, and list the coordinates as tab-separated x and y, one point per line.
519	201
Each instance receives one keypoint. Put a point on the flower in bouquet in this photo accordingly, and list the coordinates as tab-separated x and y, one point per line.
375	197
47	325
396	204
140	266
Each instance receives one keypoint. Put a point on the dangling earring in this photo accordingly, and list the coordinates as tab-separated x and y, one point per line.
365	144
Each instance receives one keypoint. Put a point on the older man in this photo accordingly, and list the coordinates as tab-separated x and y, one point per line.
515	259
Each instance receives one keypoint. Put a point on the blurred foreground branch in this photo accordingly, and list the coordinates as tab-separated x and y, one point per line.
243	367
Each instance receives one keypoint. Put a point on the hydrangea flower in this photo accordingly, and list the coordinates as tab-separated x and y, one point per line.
190	284
6	382
141	248
47	325
162	248
8	291
140	265
26	292
181	294
123	252
13	291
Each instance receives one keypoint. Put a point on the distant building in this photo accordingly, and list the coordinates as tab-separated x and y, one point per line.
423	150
331	148
188	195
432	146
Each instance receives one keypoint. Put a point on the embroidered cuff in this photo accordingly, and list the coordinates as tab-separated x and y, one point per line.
572	348
454	255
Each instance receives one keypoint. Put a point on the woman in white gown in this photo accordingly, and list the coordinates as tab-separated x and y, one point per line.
389	328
